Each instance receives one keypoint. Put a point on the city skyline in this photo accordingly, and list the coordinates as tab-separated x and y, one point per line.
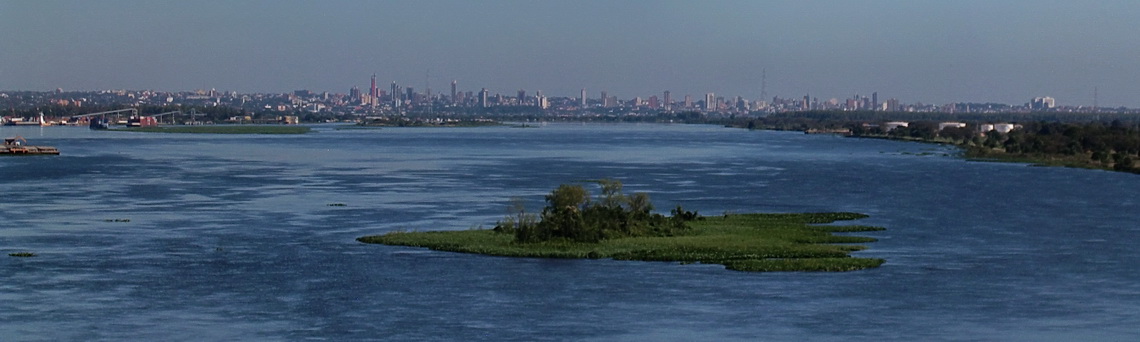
929	52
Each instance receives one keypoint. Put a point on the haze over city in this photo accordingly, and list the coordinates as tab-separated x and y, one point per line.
919	51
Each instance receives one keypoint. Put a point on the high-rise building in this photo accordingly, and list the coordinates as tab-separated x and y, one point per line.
582	98
1040	103
605	99
522	97
688	101
454	94
653	102
483	98
875	100
354	95
372	90
668	101
395	94
710	102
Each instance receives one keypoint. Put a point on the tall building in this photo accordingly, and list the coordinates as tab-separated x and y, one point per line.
668	101
1041	103
875	100
355	95
395	94
522	96
582	98
454	94
483	98
372	90
710	102
605	99
688	101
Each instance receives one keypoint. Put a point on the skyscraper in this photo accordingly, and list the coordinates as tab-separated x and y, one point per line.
454	94
483	98
710	101
605	99
668	101
582	98
372	90
395	94
522	96
354	95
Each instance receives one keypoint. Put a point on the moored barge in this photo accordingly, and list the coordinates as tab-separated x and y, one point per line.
19	146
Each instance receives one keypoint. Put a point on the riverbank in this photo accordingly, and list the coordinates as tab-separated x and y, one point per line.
988	154
220	129
741	242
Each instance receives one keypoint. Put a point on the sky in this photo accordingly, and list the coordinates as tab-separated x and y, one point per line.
931	52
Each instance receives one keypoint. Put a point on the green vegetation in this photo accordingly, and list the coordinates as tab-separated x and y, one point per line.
221	129
22	254
620	227
1052	139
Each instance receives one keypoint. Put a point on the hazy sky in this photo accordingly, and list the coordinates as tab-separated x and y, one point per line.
913	50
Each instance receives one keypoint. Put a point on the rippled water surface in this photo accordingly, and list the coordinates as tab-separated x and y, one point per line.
219	237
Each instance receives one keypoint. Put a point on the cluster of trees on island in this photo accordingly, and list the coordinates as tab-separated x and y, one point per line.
571	214
621	227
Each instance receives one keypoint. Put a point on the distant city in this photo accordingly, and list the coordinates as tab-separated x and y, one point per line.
397	99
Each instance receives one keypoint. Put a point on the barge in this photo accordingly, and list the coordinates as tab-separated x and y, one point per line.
19	146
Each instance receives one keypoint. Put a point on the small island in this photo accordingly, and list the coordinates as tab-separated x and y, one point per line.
623	228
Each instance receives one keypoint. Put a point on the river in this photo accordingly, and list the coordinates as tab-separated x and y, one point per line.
174	237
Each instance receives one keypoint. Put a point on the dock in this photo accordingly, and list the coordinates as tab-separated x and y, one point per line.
19	146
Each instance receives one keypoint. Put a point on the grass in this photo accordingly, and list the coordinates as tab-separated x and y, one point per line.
742	242
221	129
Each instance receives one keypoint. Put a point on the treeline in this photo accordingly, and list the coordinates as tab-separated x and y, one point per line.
1079	142
570	214
821	116
1113	146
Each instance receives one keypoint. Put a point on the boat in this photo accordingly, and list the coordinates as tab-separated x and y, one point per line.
98	123
19	146
22	122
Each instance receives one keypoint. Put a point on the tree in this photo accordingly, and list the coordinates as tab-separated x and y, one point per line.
570	215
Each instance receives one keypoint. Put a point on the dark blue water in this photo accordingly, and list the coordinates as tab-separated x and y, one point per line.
233	238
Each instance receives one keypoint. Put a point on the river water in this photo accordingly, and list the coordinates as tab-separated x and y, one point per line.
232	237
